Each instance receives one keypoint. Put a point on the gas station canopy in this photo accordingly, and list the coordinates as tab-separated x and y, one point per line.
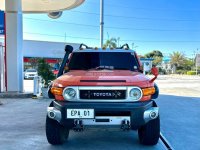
43	6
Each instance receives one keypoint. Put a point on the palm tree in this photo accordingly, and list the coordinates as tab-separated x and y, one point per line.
177	59
111	43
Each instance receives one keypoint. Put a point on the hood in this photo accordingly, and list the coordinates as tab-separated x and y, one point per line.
102	78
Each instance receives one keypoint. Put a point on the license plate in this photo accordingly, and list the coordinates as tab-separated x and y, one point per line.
80	113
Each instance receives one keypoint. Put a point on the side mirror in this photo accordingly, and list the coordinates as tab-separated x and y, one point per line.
155	72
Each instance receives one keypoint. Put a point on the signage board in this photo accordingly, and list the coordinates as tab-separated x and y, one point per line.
147	66
2	32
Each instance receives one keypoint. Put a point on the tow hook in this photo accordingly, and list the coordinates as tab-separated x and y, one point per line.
78	125
125	125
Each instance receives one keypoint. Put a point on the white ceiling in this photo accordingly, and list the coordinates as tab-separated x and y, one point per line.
42	6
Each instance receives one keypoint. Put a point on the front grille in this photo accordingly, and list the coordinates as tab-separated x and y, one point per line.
112	113
103	94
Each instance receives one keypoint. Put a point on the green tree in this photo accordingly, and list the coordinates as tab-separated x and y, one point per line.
111	43
188	64
177	59
157	60
44	70
156	55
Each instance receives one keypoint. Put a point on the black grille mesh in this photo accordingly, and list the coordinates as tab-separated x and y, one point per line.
102	94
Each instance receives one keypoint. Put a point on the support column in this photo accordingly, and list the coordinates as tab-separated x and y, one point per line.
14	40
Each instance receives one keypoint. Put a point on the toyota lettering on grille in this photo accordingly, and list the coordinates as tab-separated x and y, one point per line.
104	94
113	94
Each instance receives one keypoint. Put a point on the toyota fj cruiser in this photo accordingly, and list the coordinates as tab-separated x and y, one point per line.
99	88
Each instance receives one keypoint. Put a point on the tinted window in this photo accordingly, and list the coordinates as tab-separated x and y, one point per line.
91	60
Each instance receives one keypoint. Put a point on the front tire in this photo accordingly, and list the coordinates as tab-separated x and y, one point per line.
56	133
149	133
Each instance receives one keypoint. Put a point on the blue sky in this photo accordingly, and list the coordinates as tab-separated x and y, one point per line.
165	25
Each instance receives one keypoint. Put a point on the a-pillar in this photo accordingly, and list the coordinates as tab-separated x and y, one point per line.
14	41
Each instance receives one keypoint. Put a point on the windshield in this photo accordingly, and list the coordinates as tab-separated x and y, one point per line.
103	60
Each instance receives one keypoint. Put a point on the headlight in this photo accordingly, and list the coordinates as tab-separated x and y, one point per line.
135	93
69	93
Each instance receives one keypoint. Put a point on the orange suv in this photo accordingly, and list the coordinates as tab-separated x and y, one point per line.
102	88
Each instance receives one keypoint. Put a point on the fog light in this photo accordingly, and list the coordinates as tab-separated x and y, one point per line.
52	114
153	115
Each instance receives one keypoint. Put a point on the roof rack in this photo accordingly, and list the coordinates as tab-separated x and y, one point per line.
125	46
84	45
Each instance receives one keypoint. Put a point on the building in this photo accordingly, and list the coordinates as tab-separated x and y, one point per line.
51	51
166	65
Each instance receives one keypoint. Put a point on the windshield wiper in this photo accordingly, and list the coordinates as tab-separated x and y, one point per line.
122	69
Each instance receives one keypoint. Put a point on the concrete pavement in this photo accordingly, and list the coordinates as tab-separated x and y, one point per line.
23	127
179	85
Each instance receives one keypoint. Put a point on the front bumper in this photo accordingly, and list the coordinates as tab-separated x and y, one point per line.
113	114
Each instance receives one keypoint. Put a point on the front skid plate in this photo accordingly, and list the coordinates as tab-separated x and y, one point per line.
105	120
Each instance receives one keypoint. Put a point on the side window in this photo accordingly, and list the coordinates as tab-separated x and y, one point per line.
137	59
139	63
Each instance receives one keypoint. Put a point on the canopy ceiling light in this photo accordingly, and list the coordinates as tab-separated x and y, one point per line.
45	6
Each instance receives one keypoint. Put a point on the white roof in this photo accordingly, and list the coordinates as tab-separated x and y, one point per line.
42	6
45	49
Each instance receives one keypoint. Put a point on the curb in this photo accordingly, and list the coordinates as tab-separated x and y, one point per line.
15	95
